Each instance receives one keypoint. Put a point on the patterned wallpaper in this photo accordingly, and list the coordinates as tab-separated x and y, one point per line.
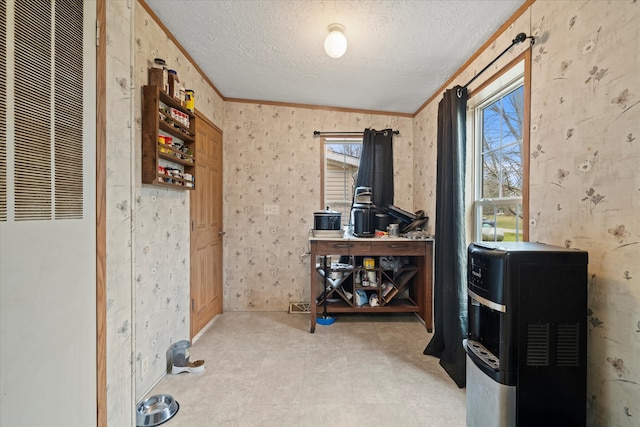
585	188
161	238
147	227
584	178
120	409
271	157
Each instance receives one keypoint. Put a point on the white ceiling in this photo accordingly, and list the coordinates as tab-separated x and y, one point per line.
399	52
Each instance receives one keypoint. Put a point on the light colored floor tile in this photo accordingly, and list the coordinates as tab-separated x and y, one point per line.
207	415
331	389
226	389
386	415
333	415
271	415
266	369
276	388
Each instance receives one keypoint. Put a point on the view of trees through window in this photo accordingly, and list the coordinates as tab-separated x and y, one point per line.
500	201
341	162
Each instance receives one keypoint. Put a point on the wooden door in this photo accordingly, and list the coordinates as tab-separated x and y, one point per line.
206	226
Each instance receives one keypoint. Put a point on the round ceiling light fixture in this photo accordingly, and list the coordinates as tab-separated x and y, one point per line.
336	43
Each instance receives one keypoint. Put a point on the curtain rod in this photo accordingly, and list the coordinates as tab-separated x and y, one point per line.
319	133
519	39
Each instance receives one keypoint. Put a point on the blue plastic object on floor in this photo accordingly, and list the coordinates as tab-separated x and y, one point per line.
326	320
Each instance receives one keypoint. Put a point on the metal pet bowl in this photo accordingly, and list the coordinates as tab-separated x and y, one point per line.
156	410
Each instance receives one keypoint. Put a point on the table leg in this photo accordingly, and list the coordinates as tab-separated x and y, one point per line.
312	294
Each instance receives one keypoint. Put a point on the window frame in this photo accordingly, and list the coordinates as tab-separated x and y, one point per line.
509	78
334	139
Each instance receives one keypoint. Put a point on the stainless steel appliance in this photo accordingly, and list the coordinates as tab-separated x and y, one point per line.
363	196
363	213
327	220
526	346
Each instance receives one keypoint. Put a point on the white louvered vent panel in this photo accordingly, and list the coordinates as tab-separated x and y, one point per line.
3	115
32	118
48	139
68	110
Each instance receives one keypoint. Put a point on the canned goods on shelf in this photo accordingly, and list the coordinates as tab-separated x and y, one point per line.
369	263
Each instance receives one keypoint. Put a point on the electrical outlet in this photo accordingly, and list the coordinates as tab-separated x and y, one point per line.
271	210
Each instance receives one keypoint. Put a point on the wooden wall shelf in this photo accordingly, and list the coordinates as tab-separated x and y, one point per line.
170	166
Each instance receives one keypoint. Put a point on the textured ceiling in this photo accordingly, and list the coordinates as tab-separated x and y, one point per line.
399	52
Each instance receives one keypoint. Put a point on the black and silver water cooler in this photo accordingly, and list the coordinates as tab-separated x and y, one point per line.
526	349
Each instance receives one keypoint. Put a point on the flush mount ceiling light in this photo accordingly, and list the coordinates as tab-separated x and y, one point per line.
336	43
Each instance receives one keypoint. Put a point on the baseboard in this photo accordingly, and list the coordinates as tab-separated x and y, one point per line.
203	330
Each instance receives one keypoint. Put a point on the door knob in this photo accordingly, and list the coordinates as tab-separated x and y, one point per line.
222	233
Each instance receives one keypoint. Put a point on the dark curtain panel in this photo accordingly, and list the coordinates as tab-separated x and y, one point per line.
450	289
376	165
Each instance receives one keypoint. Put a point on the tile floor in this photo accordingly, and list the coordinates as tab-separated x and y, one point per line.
266	369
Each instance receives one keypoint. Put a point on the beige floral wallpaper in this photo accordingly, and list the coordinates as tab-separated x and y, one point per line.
584	177
585	190
118	217
272	158
147	227
160	220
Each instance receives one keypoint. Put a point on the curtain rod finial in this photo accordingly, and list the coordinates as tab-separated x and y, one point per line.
520	38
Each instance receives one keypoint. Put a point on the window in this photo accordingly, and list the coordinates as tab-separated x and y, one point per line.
498	120
341	160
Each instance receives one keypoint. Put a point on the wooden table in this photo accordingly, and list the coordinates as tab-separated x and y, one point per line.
416	295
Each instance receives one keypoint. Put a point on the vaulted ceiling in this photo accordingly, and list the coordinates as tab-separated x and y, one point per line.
399	52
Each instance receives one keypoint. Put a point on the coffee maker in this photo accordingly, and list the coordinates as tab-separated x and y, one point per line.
363	213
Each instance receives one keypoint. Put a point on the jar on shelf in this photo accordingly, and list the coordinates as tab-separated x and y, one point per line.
190	100
174	85
182	95
159	75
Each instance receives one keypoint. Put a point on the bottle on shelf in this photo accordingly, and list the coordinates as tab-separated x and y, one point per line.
190	100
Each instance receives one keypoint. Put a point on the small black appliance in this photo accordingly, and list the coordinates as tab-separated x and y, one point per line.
363	222
363	213
382	221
